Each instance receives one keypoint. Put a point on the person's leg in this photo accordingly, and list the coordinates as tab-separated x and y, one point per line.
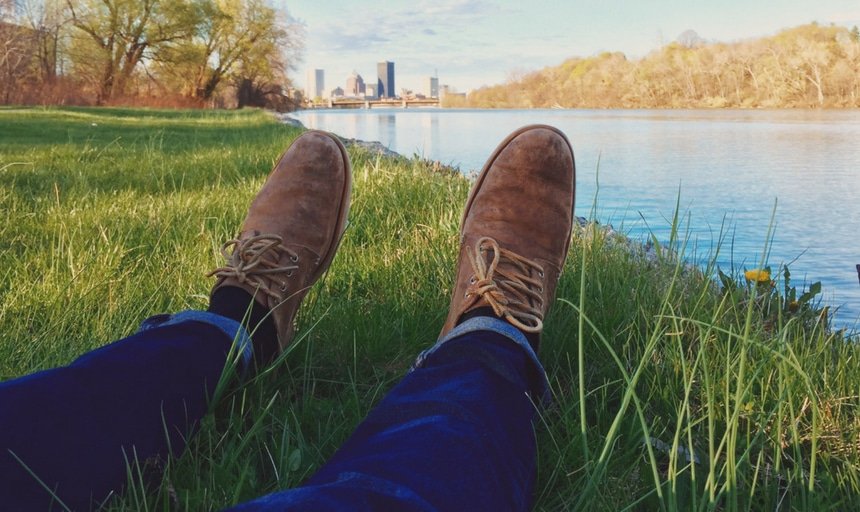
70	432
456	433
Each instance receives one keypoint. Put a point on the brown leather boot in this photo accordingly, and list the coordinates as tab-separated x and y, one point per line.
516	229
292	230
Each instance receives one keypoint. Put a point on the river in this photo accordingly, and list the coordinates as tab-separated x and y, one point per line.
726	167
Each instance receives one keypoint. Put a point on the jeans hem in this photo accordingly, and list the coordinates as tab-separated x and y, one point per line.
493	324
231	328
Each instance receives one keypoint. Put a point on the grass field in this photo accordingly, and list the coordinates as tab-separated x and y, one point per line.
671	391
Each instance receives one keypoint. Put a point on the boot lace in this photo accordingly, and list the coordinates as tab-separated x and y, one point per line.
511	284
256	261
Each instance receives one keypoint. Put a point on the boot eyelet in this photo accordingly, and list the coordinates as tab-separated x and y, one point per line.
472	280
540	273
466	295
289	273
294	259
284	287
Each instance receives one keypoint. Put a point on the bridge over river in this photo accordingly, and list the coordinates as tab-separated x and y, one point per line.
382	103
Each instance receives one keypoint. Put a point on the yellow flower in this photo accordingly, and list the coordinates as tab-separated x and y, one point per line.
757	275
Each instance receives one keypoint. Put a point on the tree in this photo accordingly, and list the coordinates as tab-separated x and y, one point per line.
47	19
811	59
845	74
240	40
122	33
16	50
690	39
261	77
7	11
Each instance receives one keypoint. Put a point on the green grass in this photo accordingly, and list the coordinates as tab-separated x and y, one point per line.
112	215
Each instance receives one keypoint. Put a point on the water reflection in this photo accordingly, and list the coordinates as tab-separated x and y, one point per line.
430	135
387	130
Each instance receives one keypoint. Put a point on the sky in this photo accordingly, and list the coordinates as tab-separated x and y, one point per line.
470	43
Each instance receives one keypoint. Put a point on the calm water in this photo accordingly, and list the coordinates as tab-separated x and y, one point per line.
730	168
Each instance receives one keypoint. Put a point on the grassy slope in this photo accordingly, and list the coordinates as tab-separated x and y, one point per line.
114	215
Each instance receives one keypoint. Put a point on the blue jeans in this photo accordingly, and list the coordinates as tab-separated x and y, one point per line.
455	434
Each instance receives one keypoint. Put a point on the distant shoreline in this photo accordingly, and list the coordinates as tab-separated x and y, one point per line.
674	109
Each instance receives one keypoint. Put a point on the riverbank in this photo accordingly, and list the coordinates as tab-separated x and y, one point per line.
370	146
670	391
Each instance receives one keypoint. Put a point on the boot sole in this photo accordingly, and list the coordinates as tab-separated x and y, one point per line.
340	228
343	210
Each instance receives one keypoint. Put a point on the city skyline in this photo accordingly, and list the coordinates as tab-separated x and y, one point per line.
356	86
470	43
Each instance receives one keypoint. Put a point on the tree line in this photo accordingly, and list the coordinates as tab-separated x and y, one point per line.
150	52
802	67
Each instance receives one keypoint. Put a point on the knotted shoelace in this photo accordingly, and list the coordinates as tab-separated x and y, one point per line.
255	261
508	284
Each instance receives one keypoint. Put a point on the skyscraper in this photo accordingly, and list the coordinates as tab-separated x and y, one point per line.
385	82
316	84
355	85
432	86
